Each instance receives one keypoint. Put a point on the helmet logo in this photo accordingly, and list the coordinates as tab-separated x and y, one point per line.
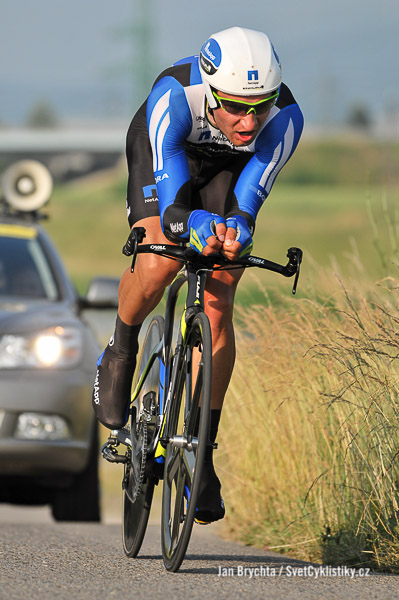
208	51
253	76
211	56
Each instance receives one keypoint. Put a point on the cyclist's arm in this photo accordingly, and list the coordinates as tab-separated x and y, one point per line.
169	123
273	148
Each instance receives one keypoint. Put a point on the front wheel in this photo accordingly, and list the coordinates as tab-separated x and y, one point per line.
138	485
188	434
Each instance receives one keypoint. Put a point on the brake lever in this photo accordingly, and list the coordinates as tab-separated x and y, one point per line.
135	238
296	280
294	265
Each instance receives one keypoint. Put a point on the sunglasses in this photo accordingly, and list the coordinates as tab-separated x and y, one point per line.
241	109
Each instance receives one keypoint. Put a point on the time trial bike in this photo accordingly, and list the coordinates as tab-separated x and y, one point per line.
167	435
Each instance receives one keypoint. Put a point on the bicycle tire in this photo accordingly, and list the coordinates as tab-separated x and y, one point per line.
183	465
137	506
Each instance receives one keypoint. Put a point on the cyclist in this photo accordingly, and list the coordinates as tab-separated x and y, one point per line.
203	152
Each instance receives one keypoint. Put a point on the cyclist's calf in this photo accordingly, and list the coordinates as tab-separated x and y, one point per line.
219	303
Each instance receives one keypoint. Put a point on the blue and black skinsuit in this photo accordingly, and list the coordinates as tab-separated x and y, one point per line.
179	162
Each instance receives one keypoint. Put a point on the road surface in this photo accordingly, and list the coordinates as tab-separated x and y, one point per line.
47	560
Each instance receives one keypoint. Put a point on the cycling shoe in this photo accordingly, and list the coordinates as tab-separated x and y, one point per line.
210	505
112	388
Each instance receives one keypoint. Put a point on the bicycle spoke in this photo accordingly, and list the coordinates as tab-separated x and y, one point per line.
173	467
198	386
191	419
178	516
189	462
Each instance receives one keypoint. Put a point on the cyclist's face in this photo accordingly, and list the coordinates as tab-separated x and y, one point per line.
240	130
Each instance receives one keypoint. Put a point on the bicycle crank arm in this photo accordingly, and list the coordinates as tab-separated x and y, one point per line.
123	437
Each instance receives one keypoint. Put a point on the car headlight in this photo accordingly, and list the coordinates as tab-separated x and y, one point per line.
55	347
35	426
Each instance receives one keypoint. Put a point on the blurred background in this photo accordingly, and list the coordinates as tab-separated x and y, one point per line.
95	61
73	74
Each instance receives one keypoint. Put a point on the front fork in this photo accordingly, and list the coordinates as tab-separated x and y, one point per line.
194	305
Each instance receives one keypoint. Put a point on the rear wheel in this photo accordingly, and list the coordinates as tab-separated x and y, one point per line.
187	442
139	480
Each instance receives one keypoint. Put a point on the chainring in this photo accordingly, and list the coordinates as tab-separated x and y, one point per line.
138	460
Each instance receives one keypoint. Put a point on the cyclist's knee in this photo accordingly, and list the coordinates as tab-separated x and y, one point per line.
155	274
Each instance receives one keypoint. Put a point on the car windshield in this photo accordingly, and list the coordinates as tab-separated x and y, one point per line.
24	268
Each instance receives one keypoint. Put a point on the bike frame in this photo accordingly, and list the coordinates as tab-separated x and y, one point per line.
174	375
196	279
194	273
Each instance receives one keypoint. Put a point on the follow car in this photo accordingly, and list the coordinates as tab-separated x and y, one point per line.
48	433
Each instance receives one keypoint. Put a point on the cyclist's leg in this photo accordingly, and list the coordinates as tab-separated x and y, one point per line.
219	178
219	301
139	294
219	305
217	196
141	291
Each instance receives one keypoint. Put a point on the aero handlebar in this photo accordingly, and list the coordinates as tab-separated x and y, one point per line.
185	255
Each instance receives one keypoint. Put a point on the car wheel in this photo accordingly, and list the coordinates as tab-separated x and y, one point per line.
81	501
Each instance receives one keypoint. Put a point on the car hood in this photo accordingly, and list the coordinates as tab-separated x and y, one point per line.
27	317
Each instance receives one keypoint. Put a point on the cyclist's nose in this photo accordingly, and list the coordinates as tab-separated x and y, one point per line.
250	121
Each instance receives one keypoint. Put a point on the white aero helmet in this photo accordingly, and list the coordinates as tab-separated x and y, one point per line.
241	62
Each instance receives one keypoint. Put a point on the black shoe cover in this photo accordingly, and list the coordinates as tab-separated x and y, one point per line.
112	388
210	505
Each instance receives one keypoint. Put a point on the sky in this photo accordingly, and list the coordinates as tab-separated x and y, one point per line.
95	59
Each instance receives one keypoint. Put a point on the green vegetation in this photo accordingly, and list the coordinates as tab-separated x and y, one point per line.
340	161
309	435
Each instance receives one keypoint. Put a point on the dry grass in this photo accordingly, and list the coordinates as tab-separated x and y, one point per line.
309	436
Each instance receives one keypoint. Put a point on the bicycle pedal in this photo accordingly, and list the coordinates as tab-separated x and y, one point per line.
111	455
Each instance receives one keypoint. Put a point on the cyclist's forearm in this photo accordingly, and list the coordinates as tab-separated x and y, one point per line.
174	221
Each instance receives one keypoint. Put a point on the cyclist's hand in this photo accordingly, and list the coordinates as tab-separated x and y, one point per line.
238	241
207	232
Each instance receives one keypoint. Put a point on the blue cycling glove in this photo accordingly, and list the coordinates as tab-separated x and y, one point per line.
243	234
201	225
